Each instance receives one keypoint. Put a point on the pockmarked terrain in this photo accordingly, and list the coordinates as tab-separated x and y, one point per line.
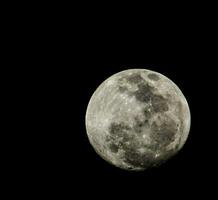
137	119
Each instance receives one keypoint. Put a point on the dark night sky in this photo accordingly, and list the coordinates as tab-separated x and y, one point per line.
76	163
69	62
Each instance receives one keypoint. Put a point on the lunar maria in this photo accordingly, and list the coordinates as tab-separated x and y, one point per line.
137	119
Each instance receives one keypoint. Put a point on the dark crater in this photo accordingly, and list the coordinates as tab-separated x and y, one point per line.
153	77
134	78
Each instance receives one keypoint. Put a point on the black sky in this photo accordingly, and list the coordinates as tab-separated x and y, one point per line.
66	60
75	162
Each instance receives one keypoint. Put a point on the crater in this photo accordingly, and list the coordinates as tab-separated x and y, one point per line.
153	76
134	78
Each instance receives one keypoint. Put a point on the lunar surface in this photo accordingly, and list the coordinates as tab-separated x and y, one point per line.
137	119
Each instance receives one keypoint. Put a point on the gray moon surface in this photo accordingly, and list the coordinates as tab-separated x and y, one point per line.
137	119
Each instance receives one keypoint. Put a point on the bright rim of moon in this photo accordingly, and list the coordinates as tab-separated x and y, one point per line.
137	119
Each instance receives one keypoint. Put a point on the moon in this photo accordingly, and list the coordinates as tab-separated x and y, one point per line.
137	119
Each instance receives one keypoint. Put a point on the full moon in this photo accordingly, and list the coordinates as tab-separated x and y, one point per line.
137	119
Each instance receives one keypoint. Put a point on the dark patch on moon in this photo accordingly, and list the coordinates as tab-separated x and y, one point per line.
137	159
134	78
122	89
119	136
163	134
144	93
153	76
118	129
113	147
159	103
122	137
